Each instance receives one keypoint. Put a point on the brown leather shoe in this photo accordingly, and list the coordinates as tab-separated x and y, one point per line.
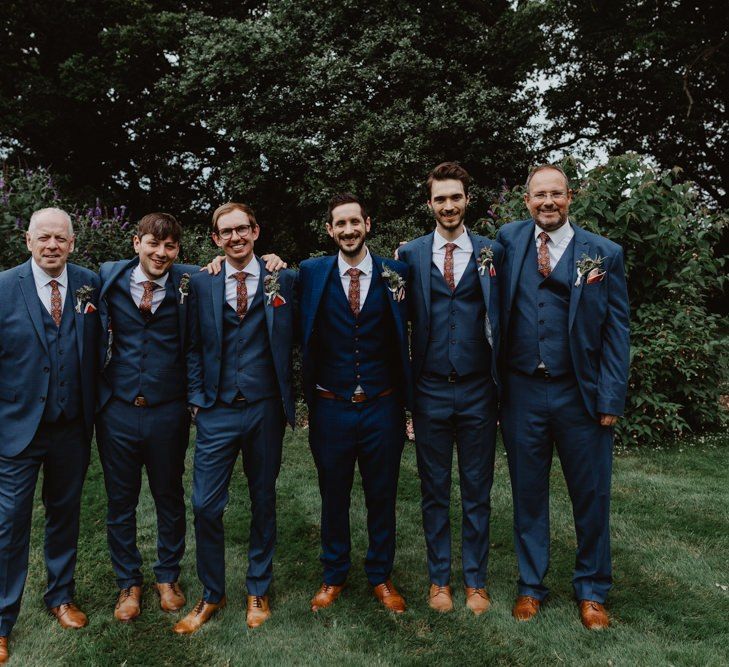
199	615
525	608
440	598
128	604
171	597
325	596
4	653
258	610
594	615
387	594
477	600
69	616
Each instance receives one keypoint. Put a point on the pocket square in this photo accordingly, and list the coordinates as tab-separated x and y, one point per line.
277	301
595	276
90	308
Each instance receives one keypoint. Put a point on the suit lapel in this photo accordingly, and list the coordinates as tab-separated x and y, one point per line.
73	284
217	293
319	280
426	259
32	301
175	277
582	247
268	308
521	245
483	277
389	297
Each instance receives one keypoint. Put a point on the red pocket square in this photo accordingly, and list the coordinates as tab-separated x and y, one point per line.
595	276
278	300
90	308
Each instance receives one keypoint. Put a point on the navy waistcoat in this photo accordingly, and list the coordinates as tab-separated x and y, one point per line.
247	368
539	324
146	358
457	339
64	386
356	351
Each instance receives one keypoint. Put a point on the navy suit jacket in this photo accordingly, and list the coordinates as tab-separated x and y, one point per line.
24	357
313	276
205	336
109	273
599	315
418	255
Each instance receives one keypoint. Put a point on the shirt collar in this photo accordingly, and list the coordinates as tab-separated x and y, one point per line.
365	266
564	233
139	277
42	278
252	268
463	241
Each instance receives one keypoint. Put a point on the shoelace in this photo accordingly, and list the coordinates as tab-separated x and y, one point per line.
172	585
327	587
480	592
593	605
439	590
199	606
63	608
386	587
124	593
258	601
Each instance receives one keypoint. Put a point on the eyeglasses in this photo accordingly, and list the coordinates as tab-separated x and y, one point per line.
241	230
558	195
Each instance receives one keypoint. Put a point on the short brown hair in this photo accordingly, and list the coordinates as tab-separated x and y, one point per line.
344	198
233	206
543	167
446	171
161	226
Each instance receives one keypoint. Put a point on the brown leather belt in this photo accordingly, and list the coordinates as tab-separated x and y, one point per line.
140	402
356	398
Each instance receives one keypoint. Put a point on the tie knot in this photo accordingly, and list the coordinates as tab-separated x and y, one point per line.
149	285
450	247
54	284
544	237
240	276
354	273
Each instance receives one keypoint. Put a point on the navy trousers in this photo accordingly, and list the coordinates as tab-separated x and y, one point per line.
463	411
537	414
62	451
131	438
223	431
371	435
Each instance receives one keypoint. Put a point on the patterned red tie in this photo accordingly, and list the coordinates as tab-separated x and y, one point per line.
241	294
354	290
55	302
448	266
145	305
543	265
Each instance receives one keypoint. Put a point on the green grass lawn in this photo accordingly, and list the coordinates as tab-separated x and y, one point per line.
670	601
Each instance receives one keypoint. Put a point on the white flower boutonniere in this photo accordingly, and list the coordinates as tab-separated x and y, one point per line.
395	283
83	300
486	261
590	267
272	290
184	288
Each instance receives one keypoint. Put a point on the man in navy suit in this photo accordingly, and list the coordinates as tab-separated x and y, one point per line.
454	308
49	331
356	384
565	371
143	420
241	325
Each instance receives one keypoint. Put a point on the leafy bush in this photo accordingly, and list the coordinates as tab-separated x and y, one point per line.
678	348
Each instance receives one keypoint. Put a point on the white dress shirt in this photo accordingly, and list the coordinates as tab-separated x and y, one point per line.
365	277
559	239
231	284
462	253
136	287
43	286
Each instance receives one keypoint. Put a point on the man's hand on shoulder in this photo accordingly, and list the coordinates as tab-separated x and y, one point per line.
214	266
274	262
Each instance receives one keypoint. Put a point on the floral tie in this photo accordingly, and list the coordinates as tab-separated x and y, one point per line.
241	294
448	266
543	265
55	302
145	305
354	290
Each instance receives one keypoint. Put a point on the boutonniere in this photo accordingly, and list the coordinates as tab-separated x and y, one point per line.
486	261
395	283
590	267
184	288
272	290
83	299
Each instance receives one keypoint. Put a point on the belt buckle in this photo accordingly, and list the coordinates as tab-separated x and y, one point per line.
358	398
239	399
452	376
140	402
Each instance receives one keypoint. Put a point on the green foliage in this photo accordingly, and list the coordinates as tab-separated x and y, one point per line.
679	350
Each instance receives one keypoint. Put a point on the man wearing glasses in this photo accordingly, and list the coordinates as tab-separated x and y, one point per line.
240	334
565	375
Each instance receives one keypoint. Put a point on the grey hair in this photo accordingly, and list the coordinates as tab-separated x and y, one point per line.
44	211
542	167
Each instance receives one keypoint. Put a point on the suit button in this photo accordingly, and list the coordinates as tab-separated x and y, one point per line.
453	326
62	368
541	305
359	376
43	399
541	321
63	383
46	369
356	351
453	342
541	338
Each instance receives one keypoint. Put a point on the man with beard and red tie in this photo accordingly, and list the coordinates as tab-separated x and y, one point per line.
49	331
454	309
356	384
565	373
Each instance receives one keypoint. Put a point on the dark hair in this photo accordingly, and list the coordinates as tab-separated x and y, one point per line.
344	198
445	171
161	226
543	167
233	206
